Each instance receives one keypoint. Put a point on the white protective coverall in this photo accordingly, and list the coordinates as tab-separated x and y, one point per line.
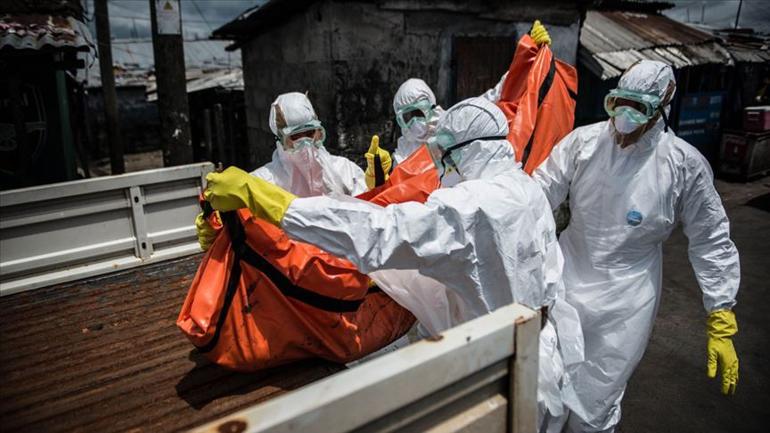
469	249
411	91
624	203
312	170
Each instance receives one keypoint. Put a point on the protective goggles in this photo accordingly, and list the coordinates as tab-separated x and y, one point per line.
296	137
644	105
410	113
443	143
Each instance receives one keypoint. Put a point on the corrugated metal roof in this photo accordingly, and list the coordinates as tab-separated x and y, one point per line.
613	41
259	18
745	45
135	60
232	80
272	13
37	32
201	80
749	53
612	64
616	31
139	54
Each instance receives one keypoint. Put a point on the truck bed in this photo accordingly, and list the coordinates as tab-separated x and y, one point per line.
105	355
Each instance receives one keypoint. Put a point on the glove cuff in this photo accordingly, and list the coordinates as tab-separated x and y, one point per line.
721	324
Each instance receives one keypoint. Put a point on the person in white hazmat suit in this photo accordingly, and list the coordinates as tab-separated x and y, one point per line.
630	180
301	164
417	114
486	242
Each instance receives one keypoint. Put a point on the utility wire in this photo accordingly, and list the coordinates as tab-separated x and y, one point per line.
194	3
214	55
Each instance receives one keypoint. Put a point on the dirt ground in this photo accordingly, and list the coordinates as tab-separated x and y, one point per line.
134	162
669	391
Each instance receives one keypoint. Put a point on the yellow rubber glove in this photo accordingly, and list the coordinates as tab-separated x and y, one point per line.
539	34
720	327
235	189
206	233
385	163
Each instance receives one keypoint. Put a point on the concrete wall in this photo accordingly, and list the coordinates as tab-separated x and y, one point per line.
292	57
352	56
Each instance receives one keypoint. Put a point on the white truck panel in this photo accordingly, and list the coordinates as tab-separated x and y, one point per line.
72	230
480	376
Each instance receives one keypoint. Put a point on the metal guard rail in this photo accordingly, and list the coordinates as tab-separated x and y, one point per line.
67	231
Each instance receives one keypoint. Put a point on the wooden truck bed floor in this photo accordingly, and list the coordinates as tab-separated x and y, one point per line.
105	355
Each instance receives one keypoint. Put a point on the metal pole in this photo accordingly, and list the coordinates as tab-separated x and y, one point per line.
68	151
79	132
23	147
738	15
207	137
231	132
173	106
219	132
108	87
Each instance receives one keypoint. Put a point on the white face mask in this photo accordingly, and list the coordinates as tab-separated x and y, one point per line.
301	156
417	131
624	124
306	171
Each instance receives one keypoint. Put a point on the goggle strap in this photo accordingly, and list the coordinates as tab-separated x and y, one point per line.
454	147
665	118
466	142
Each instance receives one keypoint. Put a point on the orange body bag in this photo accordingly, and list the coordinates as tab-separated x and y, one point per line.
538	99
260	299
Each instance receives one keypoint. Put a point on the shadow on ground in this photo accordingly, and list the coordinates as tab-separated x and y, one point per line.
207	383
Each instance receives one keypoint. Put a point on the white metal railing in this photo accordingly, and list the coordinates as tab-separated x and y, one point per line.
67	231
